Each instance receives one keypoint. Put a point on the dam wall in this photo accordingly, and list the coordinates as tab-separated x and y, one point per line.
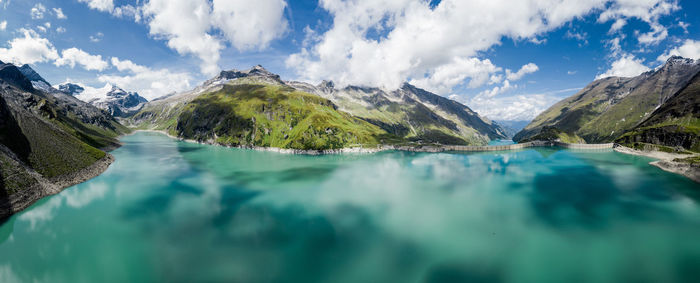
518	146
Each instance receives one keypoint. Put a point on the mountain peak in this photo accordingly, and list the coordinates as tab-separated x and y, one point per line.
71	88
14	76
678	60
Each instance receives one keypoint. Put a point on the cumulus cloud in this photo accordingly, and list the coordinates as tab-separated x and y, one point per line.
59	13
187	33
37	12
3	25
524	70
149	83
72	56
443	78
100	5
515	107
97	37
625	66
202	27
384	43
29	49
648	11
689	49
250	24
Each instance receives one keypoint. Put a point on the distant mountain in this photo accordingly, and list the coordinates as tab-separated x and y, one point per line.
607	108
676	123
411	113
512	127
116	101
48	140
272	112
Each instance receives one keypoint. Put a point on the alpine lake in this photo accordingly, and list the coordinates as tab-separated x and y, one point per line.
173	211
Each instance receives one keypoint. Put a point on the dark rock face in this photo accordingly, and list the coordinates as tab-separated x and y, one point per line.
11	74
257	71
671	136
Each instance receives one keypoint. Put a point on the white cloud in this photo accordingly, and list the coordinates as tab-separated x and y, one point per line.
516	107
3	25
684	26
625	66
37	12
59	13
100	5
29	49
187	33
399	40
72	56
689	49
245	24
128	66
148	82
617	25
416	41
649	11
524	70
97	37
570	73
496	90
443	78
250	24
60	29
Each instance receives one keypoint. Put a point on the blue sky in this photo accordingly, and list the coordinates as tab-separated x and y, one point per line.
508	60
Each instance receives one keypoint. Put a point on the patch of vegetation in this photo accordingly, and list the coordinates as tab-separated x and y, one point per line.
655	147
694	161
554	134
274	116
13	178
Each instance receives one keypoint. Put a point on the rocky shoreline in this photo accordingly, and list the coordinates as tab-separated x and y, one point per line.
46	187
666	162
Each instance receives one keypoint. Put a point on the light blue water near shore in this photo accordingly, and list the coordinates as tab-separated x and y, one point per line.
501	142
175	211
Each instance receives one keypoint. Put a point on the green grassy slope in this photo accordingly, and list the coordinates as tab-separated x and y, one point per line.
553	134
265	115
38	133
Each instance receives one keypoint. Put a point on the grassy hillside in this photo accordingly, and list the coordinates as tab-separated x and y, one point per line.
554	134
42	138
607	108
265	115
675	124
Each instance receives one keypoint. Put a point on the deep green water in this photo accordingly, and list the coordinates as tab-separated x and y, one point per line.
174	211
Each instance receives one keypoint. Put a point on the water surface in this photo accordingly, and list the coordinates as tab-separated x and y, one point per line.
174	211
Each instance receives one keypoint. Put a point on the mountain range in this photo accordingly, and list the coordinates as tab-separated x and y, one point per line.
51	139
623	109
118	102
256	108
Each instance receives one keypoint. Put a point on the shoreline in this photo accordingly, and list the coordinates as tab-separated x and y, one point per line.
665	161
416	148
48	187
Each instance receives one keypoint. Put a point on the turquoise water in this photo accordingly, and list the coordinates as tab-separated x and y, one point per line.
501	142
174	211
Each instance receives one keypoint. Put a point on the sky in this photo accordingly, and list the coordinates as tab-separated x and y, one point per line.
507	60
